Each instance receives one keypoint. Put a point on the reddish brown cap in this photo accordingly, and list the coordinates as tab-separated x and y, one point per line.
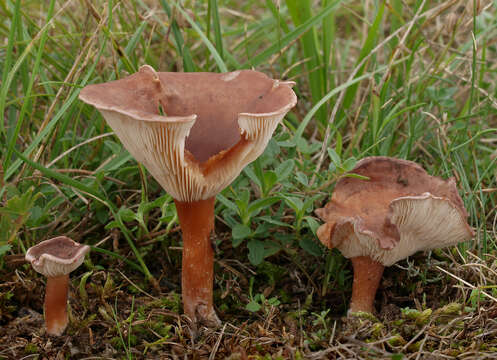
212	124
398	211
56	257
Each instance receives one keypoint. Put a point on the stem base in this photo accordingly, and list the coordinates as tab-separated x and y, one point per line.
367	276
197	222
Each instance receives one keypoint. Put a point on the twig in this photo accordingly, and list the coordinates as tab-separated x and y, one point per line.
467	283
136	286
212	356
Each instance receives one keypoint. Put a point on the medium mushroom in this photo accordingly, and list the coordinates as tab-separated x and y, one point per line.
194	132
56	258
400	210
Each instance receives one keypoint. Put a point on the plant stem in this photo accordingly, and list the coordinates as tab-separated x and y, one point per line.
367	276
197	221
56	304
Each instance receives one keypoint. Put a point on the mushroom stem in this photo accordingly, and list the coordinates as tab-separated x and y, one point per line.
367	276
56	304
197	221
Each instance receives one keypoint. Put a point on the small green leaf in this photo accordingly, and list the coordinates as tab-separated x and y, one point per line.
295	203
258	205
36	213
313	224
249	171
356	176
349	164
338	146
102	215
4	249
273	301
126	214
228	203
310	246
256	251
240	232
334	157
302	178
303	146
272	220
253	306
270	178
284	169
112	225
114	147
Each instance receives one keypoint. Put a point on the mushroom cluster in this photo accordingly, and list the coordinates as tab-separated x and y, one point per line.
398	210
55	259
194	132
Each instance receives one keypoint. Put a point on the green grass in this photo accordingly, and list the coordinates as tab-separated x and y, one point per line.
391	79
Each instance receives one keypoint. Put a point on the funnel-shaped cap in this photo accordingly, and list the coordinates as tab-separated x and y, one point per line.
56	257
400	210
194	132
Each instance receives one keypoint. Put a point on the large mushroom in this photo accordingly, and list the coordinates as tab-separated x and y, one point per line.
397	211
56	258
194	132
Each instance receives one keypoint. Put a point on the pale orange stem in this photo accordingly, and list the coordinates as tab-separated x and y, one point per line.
197	222
367	276
56	304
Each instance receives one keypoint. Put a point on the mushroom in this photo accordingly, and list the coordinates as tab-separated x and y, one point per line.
398	211
194	132
56	258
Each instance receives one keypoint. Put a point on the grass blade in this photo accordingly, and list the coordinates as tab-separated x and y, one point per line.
34	73
217	58
300	11
213	10
366	49
178	38
288	38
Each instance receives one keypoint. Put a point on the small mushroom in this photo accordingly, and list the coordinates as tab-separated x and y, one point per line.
56	258
400	210
194	132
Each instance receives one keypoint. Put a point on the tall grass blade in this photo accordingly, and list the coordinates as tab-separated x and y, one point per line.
214	12
300	11
183	50
217	58
369	44
5	86
34	74
291	36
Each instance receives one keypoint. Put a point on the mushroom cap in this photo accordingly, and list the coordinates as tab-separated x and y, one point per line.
213	126
56	257
400	210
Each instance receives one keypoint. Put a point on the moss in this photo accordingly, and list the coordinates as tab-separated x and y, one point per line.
172	302
419	317
133	340
161	329
116	343
223	307
451	309
398	322
397	340
140	330
415	346
377	329
364	315
31	349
